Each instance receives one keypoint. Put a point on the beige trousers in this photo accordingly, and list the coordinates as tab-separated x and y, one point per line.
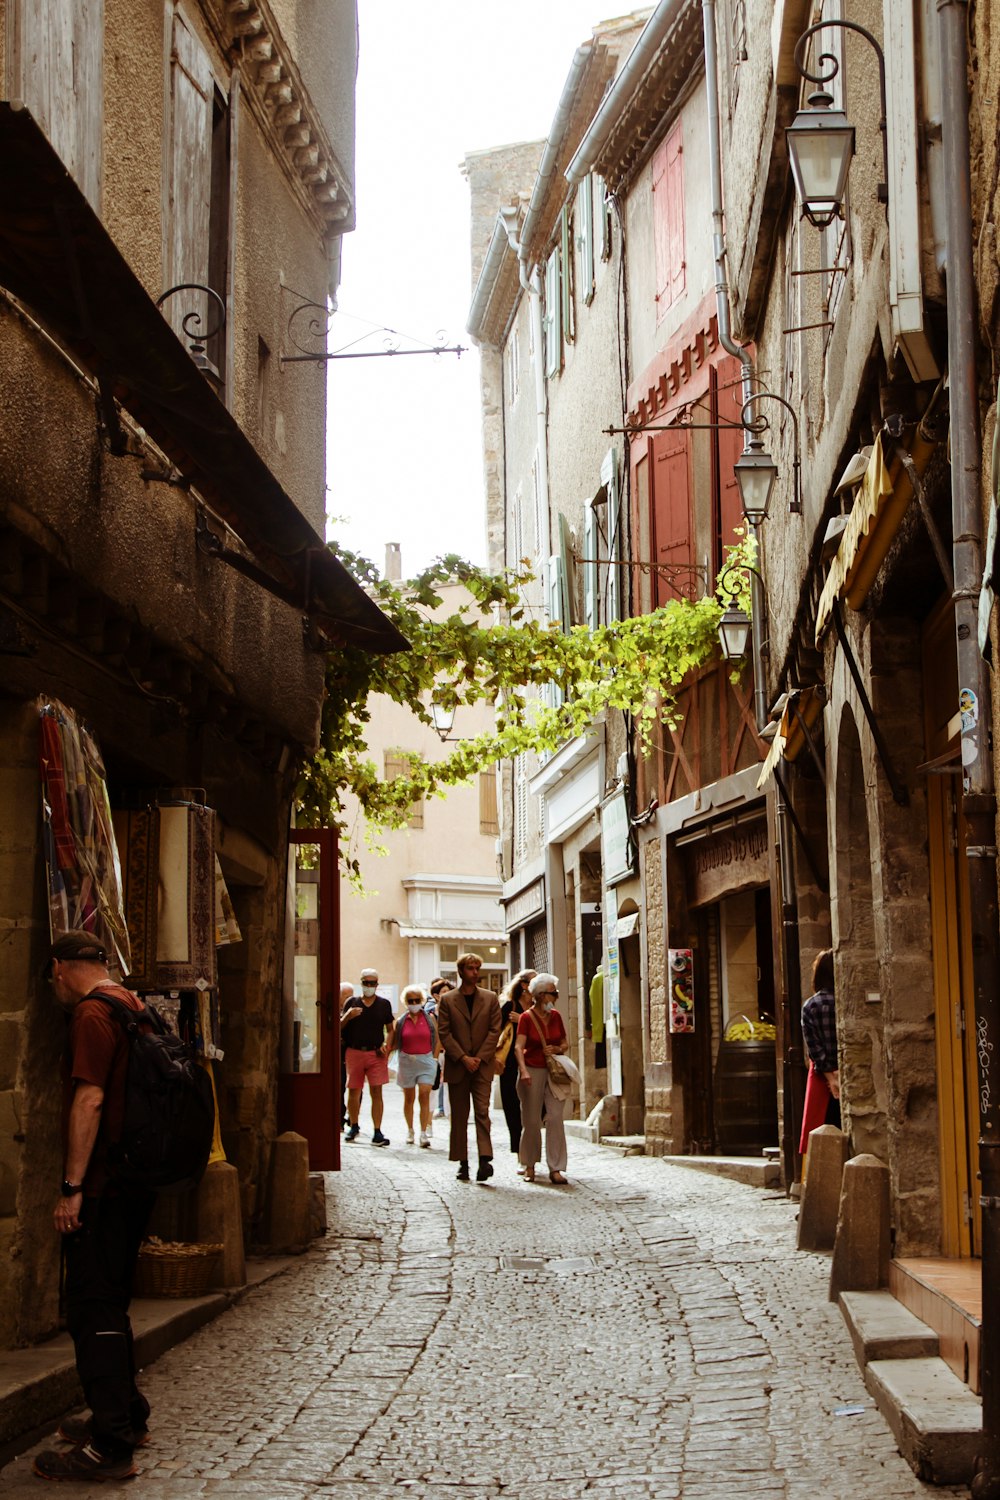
535	1096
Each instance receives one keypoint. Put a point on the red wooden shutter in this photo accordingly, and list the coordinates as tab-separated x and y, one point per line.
661	231
672	513
674	172
728	404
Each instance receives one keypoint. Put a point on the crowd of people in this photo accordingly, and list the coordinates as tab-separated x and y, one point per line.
453	1040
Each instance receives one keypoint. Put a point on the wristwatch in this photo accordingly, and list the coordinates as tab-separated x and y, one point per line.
70	1189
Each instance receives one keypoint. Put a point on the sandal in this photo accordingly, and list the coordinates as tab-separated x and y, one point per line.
559	1179
529	1174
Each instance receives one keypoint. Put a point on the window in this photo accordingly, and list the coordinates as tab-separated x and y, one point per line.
488	821
668	220
671	528
552	317
196	225
585	236
602	213
58	70
397	764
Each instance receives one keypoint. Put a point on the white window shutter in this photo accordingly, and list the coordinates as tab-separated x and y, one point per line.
613	593
585	230
553	315
591	607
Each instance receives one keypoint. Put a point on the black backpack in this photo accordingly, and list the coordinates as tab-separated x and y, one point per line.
169	1117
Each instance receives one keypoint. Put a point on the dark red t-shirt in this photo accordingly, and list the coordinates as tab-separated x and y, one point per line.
98	1054
555	1032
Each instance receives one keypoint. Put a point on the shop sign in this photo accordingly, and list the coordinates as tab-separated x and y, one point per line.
721	864
616	841
681	966
526	904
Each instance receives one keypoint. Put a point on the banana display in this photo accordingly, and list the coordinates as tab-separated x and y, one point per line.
742	1029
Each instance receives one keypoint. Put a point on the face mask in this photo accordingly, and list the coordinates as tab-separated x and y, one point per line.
545	1006
369	989
414	1007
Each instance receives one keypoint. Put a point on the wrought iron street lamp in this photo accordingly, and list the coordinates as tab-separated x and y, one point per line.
444	720
734	632
755	472
821	138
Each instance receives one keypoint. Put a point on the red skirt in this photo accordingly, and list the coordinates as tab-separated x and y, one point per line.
817	1102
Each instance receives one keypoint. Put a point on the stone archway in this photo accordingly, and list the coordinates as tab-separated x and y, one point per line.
860	1013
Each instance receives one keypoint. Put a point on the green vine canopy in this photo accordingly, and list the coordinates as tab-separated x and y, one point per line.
493	651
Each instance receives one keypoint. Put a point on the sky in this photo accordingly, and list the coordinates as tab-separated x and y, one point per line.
436	80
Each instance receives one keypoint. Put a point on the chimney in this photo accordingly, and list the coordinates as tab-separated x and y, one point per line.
393	563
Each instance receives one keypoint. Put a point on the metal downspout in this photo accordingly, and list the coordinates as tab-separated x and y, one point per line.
978	799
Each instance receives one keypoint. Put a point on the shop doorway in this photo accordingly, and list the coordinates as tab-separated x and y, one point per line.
742	1107
951	944
309	1089
633	1093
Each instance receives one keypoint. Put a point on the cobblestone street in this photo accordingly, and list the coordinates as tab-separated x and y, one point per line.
659	1337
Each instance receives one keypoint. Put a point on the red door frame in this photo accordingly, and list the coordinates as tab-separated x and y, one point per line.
310	1103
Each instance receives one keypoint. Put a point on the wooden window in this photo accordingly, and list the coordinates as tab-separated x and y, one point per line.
397	764
197	220
488	822
57	67
552	320
585	236
671	514
668	220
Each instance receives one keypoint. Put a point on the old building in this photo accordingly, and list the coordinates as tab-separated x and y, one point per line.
164	583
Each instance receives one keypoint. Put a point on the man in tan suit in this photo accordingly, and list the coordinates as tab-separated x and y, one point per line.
469	1025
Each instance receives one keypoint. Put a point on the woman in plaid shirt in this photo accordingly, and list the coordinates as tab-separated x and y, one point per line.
819	1031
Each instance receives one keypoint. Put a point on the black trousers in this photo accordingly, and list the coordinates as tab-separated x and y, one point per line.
99	1267
511	1106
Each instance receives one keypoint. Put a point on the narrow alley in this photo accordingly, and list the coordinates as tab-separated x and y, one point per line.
647	1331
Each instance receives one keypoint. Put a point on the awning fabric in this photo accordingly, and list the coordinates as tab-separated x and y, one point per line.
790	739
454	934
59	260
881	503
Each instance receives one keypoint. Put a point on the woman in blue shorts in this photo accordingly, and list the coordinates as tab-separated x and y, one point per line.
417	1043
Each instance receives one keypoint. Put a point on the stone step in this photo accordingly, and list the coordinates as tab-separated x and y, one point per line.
935	1419
882	1328
581	1130
755	1171
625	1145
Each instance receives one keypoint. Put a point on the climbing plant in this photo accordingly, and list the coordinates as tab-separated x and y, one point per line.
547	684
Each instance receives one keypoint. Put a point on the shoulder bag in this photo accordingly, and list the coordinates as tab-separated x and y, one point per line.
559	1080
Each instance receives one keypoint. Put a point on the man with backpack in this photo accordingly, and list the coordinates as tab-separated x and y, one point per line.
102	1220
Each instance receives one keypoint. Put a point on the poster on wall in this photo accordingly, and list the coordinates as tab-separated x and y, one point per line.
611	981
615	1065
681	963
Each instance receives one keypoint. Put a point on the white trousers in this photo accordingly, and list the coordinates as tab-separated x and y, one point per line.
535	1096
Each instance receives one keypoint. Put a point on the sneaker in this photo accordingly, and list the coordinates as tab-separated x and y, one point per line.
485	1169
439	1114
378	1139
352	1133
463	1171
84	1463
409	1138
429	1132
76	1430
425	1138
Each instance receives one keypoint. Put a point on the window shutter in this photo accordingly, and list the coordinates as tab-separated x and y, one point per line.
566	270
558	615
661	231
585	230
517	530
591	612
192	93
488	821
61	53
566	573
675	213
397	764
671	529
553	316
602	212
613	592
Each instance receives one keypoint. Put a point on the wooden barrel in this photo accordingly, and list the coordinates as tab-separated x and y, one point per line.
746	1098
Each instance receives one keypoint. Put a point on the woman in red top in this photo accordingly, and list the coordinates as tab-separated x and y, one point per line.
540	1033
417	1043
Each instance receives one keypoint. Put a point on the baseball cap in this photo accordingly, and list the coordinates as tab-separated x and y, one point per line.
77	944
368	974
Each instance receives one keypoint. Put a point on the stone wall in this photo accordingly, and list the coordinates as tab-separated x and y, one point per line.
659	1096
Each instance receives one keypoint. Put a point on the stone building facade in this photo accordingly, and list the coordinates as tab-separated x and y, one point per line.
164	573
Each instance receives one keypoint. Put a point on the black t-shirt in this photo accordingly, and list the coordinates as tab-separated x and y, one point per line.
367	1031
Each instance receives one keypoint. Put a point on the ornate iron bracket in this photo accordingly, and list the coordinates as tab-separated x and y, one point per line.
824	77
191	323
310	321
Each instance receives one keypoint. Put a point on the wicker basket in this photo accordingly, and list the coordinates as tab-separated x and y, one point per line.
175	1270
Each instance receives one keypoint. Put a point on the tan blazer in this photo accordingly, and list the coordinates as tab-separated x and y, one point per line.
463	1035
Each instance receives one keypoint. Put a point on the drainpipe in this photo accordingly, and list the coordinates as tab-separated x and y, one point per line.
978	798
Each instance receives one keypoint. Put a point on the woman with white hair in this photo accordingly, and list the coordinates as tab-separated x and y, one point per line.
541	1034
417	1041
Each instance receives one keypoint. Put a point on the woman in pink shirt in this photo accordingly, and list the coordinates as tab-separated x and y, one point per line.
417	1041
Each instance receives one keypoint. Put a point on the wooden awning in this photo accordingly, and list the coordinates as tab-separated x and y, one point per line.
800	713
58	259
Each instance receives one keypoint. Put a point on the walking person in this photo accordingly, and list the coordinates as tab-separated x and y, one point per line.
819	1032
366	1033
437	988
514	1001
469	1025
541	1034
417	1043
101	1222
346	993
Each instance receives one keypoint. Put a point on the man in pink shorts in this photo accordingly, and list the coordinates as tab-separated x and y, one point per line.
366	1032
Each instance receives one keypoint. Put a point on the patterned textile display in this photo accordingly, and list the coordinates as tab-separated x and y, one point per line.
227	929
185	932
138	842
81	854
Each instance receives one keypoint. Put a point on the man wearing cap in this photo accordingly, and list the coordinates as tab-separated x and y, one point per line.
101	1223
469	1026
366	1032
